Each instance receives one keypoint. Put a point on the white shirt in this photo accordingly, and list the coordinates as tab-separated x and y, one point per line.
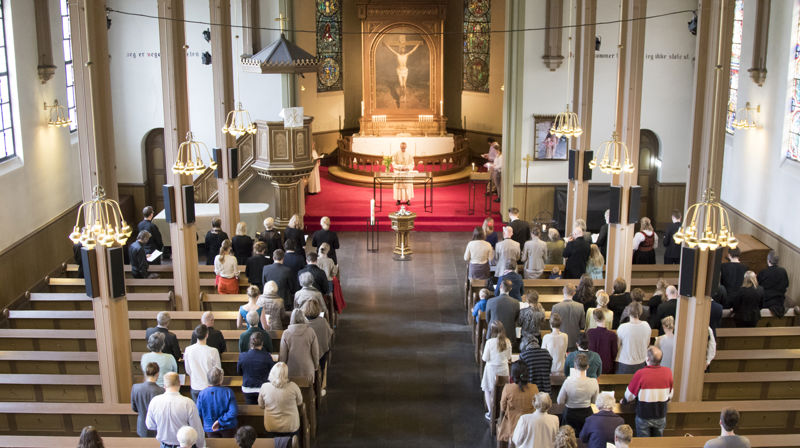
633	342
170	411
198	360
535	430
557	347
227	268
498	163
639	239
326	264
478	252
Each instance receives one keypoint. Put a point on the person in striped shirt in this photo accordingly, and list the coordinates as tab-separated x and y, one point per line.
651	387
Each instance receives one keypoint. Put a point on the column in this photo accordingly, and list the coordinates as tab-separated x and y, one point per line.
712	71
554	13
758	72
172	39
96	146
251	37
512	100
288	80
583	95
222	72
43	41
628	116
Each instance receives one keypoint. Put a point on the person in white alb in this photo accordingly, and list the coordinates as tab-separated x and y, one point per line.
403	162
198	359
170	411
497	170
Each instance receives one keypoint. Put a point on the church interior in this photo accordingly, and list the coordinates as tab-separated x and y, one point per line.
639	151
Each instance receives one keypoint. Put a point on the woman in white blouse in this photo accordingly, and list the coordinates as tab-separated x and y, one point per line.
227	270
478	253
537	430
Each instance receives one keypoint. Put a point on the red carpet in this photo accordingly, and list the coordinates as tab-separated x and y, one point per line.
348	208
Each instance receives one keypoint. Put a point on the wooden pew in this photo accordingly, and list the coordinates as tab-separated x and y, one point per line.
181	320
164	270
770	440
63	284
122	442
756	360
758	338
138	343
79	301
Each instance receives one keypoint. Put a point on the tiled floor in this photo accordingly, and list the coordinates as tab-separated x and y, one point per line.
403	373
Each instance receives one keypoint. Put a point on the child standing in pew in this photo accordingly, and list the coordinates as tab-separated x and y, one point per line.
479	307
555	274
497	356
556	343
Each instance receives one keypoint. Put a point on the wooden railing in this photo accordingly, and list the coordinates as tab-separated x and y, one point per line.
205	186
439	165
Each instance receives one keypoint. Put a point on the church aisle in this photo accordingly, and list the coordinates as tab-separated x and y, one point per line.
403	372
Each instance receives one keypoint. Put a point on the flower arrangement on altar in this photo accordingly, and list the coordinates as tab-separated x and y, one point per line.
387	162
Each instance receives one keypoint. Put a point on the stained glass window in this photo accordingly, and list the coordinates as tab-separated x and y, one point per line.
793	129
66	39
736	59
329	45
7	150
477	19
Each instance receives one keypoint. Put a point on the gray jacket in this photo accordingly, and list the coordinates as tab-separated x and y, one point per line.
300	351
505	309
506	250
324	333
573	320
534	255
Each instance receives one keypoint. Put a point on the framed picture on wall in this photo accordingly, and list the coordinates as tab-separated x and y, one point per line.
547	146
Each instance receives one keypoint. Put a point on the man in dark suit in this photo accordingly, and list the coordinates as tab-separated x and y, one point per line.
320	279
170	340
775	282
214	338
731	273
155	243
672	250
141	394
577	253
254	266
138	256
291	259
505	309
602	237
282	275
522	231
508	273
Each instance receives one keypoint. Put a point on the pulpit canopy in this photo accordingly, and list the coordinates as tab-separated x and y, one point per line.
281	56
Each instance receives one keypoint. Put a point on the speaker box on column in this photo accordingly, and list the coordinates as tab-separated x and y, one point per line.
635	204
587	158
716	270
573	164
169	203
688	268
233	163
90	276
188	204
614	199
218	159
116	271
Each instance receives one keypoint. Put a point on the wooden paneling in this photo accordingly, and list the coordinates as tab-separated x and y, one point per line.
667	198
139	194
539	197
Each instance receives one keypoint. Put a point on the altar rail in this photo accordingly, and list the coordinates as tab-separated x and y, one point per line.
439	165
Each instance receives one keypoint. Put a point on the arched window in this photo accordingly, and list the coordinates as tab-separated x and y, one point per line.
7	150
793	127
736	59
477	21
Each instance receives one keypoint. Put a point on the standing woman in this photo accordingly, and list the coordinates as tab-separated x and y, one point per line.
578	392
299	347
227	270
252	297
747	302
294	231
271	237
516	400
242	244
214	239
644	243
584	293
496	355
530	321
326	235
602	305
478	253
594	267
555	247
491	236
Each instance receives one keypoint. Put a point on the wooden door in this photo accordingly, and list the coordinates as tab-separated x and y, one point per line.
155	164
648	172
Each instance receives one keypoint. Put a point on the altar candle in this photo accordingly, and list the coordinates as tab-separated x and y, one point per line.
362	108
372	212
441	107
473	166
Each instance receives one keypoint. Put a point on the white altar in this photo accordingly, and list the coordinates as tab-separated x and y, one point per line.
253	214
416	145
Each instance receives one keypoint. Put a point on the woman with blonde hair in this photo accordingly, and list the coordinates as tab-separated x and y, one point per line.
555	247
294	231
747	302
644	243
272	307
666	342
594	267
326	235
656	299
280	398
565	438
489	234
602	304
252	298
537	430
496	355
530	321
227	270
242	244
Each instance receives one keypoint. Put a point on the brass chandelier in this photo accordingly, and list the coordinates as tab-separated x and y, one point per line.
566	123
58	115
189	160
745	119
616	158
103	223
238	122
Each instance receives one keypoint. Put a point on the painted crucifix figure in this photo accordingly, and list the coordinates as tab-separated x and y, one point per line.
402	60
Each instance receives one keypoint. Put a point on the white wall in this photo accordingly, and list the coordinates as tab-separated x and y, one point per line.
666	94
136	81
44	180
757	179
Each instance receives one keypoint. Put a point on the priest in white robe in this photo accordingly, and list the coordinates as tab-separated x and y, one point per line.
402	163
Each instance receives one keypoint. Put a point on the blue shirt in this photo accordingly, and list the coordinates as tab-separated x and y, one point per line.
516	285
217	403
254	366
480	306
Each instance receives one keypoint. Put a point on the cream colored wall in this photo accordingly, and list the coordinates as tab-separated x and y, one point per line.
44	180
484	111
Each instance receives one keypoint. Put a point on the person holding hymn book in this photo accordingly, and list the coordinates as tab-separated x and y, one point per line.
170	411
594	267
509	274
492	237
323	331
530	320
637	295
623	436
505	309
300	348
478	254
595	362
280	399
138	256
506	252
155	243
199	359
555	247
572	316
319	276
603	341
251	305
666	342
578	393
326	235
668	308
170	340
539	364
728	420
618	300
327	264
602	305
242	244
651	388
142	393
634	337
217	407
271	237
576	253
522	230
254	266
215	338
253	328
516	400
584	293
294	232
672	250
731	274
496	356
656	299
272	306
226	269
308	292
556	343
214	239
537	430
254	366
534	255
165	361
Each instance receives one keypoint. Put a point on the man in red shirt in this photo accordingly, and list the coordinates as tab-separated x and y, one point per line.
651	387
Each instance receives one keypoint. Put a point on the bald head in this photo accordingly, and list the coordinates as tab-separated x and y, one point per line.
654	356
672	292
508	232
207	319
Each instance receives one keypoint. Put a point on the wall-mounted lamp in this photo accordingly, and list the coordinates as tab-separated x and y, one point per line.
58	115
205	58
745	117
207	34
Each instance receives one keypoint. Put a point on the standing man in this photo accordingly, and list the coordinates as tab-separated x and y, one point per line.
505	309
320	279
402	162
141	394
171	411
522	231
573	318
137	252
534	255
672	252
283	277
668	308
215	338
506	252
170	340
651	388
577	253
156	242
198	359
731	273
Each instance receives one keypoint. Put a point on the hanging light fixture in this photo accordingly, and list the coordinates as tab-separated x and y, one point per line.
616	158
102	222
189	160
566	123
706	224
745	119
58	115
238	122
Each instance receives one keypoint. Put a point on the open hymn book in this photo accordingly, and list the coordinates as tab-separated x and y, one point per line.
153	256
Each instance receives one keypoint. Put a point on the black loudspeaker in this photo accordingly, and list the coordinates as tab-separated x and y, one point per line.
188	204
233	163
116	271
688	268
573	164
614	199
587	158
218	159
90	276
716	270
635	204
169	203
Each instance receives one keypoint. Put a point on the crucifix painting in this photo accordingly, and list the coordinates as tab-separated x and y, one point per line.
402	70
